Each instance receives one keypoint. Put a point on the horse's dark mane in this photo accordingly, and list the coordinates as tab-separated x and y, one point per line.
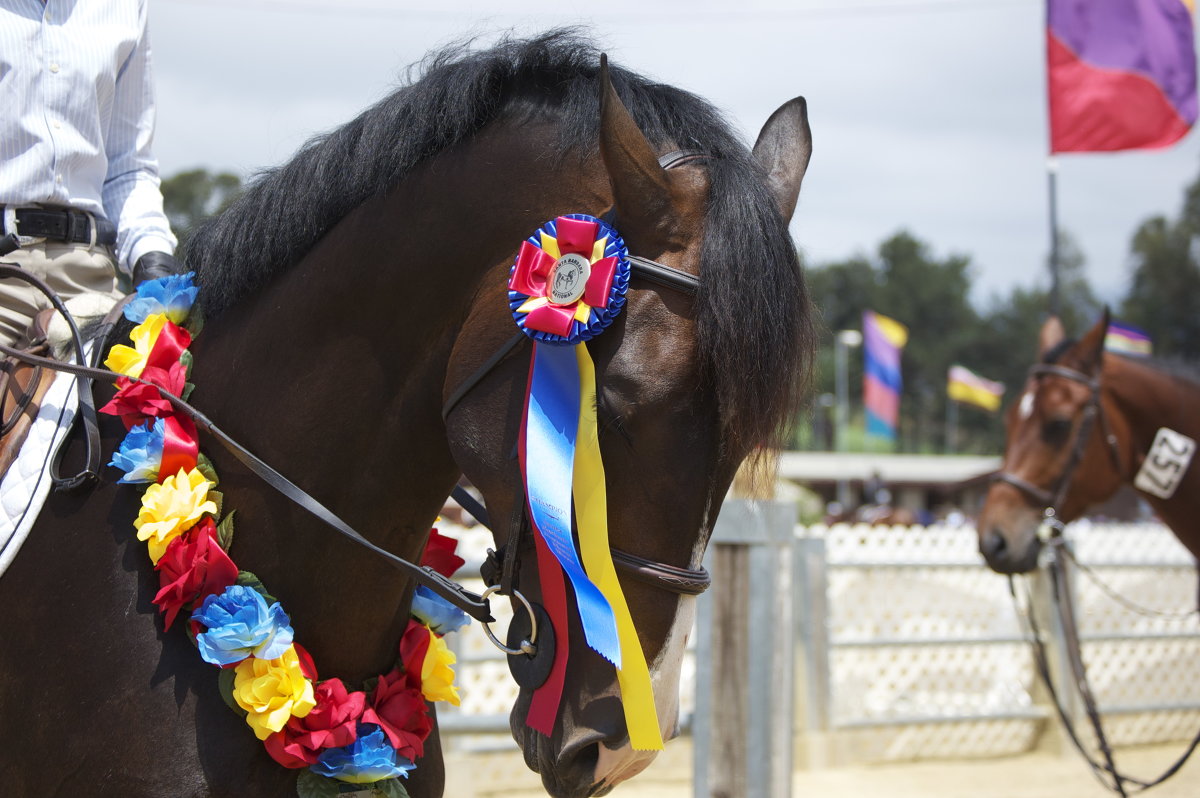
754	320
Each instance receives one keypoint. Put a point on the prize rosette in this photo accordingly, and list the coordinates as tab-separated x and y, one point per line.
569	280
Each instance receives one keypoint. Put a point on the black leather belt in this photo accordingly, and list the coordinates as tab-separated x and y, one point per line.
61	225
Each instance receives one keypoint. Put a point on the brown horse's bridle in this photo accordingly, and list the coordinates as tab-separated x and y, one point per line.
1051	499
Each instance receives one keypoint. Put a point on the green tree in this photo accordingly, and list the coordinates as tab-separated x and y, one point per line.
1165	282
927	294
192	196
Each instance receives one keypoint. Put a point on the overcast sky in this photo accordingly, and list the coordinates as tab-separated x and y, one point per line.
927	115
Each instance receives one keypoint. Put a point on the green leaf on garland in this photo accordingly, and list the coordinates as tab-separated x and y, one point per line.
187	359
369	685
225	531
310	785
195	321
188	387
247	579
217	498
225	678
206	468
390	788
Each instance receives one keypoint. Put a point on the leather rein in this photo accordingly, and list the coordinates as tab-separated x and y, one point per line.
685	581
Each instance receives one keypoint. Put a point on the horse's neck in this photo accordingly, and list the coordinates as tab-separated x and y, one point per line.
335	374
1148	400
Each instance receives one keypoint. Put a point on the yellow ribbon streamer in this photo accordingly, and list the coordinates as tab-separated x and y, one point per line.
591	514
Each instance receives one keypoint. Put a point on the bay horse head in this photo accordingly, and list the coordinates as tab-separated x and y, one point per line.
1062	450
674	398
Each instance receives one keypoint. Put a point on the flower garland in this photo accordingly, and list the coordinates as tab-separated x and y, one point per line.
367	737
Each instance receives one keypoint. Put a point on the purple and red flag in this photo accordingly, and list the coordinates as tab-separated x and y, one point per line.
1121	73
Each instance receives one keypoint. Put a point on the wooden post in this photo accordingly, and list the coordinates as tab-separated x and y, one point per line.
742	733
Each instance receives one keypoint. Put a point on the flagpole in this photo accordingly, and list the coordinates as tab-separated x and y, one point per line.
1052	185
951	425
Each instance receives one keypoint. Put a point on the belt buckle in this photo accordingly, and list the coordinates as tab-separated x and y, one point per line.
11	225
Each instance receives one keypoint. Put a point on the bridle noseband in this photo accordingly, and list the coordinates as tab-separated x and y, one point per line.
1051	499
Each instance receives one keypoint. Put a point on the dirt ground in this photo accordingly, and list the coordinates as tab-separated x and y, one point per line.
1034	775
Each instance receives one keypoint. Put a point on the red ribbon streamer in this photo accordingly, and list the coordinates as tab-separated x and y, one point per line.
543	706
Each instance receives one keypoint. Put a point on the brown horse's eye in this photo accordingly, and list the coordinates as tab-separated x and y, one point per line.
1055	431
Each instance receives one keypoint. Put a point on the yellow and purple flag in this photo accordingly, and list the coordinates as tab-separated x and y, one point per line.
883	338
1121	73
964	385
1126	339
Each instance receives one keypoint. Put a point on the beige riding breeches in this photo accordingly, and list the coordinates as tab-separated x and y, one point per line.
72	270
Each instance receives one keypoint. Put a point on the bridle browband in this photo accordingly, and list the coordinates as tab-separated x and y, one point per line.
684	581
1051	499
674	579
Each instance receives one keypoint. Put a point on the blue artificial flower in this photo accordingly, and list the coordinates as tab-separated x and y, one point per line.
172	295
368	759
241	624
140	454
435	612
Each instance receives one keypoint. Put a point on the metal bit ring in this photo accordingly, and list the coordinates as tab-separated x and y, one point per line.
528	647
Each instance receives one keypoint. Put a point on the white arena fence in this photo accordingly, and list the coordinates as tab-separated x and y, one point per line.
910	648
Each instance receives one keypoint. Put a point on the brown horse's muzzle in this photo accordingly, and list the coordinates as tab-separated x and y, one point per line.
1007	530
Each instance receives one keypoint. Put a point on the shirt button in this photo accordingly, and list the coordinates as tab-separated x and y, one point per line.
57	126
58	179
54	67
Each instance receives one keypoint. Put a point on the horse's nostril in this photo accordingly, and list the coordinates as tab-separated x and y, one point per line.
993	544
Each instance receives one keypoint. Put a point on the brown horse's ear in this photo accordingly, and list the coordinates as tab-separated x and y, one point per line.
1050	336
783	149
649	202
1091	346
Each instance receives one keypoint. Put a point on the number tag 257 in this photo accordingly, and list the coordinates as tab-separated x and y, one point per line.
1165	464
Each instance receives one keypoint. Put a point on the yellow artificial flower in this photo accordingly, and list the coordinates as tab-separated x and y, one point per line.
171	508
131	360
272	690
437	677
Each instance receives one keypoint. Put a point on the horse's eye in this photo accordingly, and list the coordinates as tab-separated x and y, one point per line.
1055	431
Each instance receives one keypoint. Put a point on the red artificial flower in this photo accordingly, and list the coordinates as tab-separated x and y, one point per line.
193	567
402	713
439	554
135	401
332	723
414	644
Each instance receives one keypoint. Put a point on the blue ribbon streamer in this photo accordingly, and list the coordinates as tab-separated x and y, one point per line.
553	419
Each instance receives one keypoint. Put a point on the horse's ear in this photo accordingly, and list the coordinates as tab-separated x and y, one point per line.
1050	336
1091	346
648	201
783	149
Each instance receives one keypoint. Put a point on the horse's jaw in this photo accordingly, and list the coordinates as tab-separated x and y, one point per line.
582	760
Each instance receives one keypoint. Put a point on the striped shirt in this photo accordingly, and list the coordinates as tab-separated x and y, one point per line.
78	116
